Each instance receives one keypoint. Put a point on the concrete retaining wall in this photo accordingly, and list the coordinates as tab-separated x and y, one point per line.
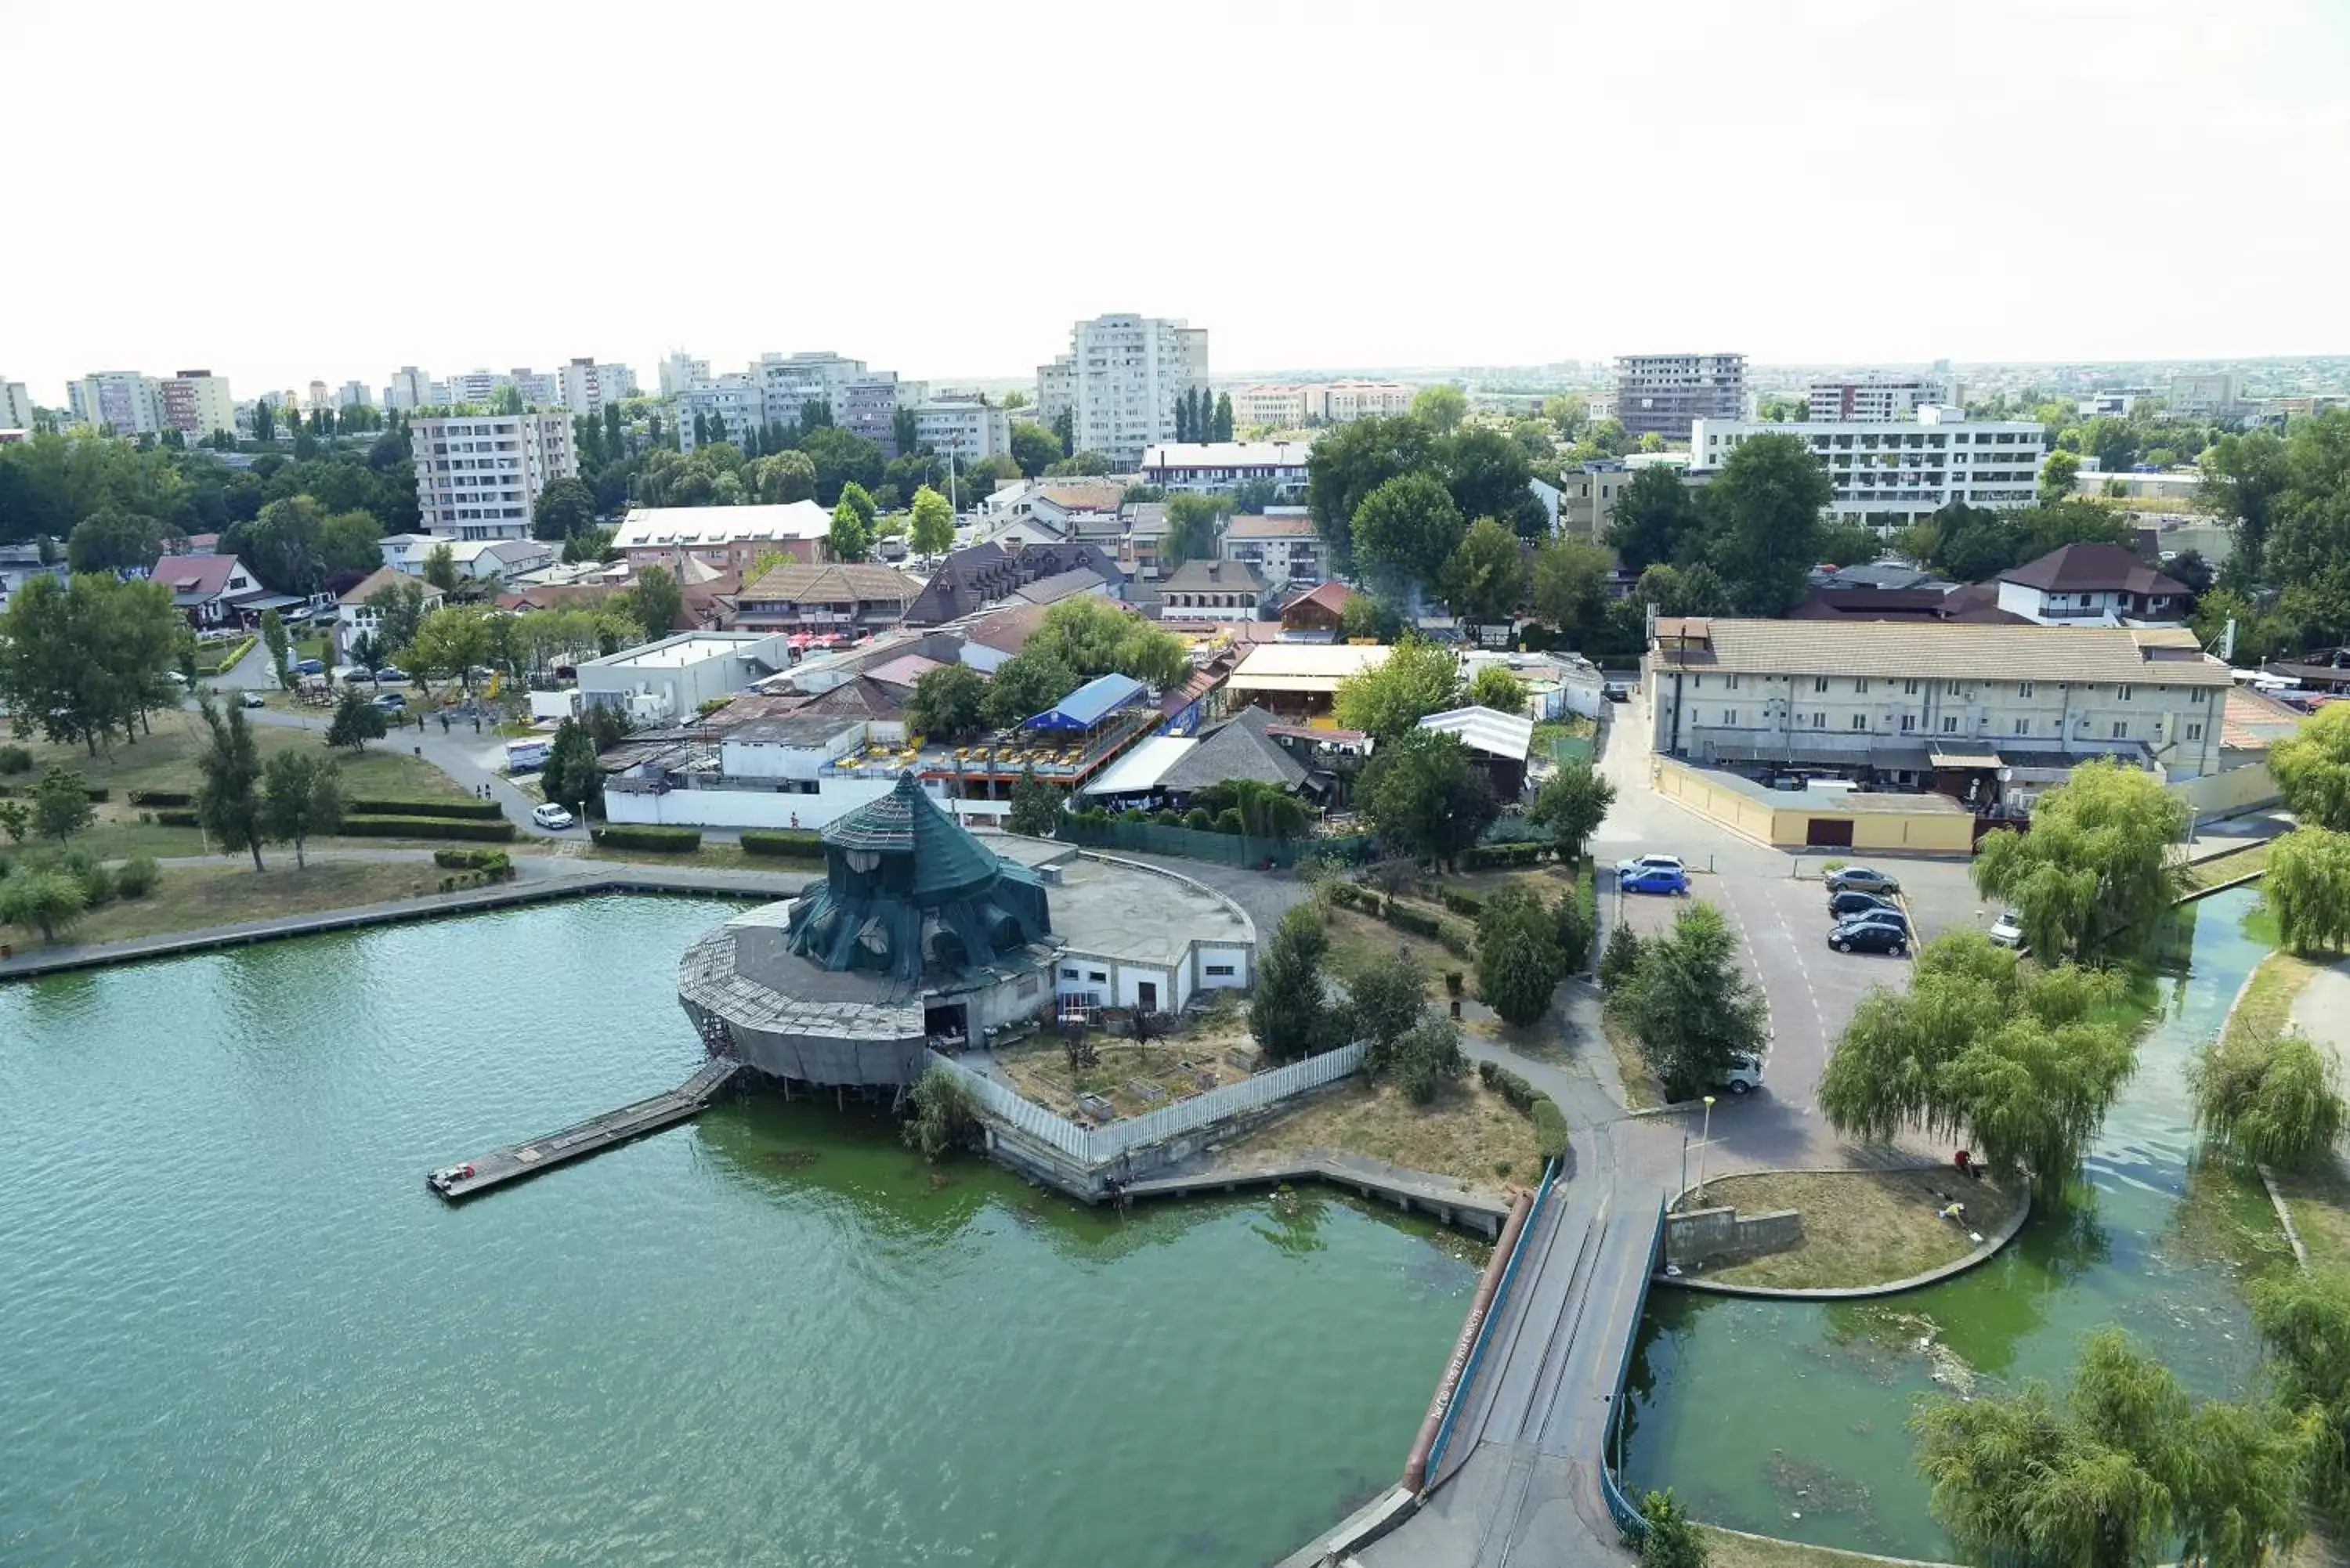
1697	1236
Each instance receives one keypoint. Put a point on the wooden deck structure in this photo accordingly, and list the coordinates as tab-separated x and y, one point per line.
470	1179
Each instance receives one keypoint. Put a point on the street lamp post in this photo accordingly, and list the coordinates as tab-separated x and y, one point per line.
1703	1139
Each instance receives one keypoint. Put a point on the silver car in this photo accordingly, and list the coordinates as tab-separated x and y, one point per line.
2008	929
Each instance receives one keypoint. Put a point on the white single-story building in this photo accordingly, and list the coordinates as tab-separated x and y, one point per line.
668	681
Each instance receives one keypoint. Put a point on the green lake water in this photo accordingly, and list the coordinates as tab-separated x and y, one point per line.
235	1328
1788	1419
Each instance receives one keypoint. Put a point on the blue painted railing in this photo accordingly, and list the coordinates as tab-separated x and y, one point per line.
1485	1329
1628	1517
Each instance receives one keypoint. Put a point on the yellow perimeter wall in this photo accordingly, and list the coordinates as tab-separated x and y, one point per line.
1929	830
2223	793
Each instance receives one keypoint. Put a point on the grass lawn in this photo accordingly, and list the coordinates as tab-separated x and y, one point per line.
2228	867
1468	1132
1728	1549
712	856
1643	1090
1860	1227
1135	1079
2267	1001
1360	943
185	899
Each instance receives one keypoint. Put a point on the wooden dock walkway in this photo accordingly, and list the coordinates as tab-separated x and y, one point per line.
470	1179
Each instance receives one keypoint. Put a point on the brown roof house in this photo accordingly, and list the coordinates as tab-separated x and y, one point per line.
1212	590
847	600
2093	585
1315	614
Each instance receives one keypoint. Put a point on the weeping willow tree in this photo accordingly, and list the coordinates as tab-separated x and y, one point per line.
2002	1056
2308	889
2303	1319
2268	1099
2095	871
943	1107
2108	1477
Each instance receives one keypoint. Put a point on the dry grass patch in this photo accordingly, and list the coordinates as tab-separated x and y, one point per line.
2266	1004
2319	1201
1860	1227
184	900
1360	943
1643	1090
1214	1049
1468	1133
1728	1549
2228	866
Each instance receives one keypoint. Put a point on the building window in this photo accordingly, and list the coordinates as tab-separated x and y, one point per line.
1860	721
1909	688
2023	688
2121	694
2121	729
1068	974
1096	974
2194	731
1909	723
1860	687
1219	971
2023	726
1819	721
1949	723
2196	696
1733	683
1729	715
1819	682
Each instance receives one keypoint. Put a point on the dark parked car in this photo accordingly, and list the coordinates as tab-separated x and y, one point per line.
1861	879
1869	936
1616	691
1894	918
1856	903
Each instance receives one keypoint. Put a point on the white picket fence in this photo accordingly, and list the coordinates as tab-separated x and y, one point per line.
1099	1146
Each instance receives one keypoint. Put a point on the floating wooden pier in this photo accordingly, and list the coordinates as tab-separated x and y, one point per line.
470	1179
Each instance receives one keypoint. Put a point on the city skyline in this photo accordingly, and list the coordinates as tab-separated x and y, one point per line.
1937	218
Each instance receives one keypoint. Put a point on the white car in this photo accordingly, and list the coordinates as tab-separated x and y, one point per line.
2008	929
551	816
1745	1074
1650	863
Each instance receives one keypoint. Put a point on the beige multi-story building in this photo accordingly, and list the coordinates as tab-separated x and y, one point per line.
1343	403
478	476
1281	408
197	403
123	401
1991	715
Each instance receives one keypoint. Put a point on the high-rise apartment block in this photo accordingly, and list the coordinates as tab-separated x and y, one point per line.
587	386
354	395
124	402
537	388
2213	395
1874	400
16	406
680	370
1056	391
197	403
1126	375
410	388
962	426
791	380
736	401
479	476
1664	394
1892	475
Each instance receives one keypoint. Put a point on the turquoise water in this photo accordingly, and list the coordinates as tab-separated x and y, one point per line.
1788	1419
235	1328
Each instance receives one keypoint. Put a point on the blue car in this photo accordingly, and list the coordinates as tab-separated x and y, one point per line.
1653	880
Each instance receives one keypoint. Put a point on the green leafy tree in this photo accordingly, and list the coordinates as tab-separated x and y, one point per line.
1386	1000
449	643
301	798
948	700
1025	685
1035	449
1036	806
2096	865
1486	474
15	820
1494	687
2009	1061
1620	960
2245	478
228	798
88	660
2057	473
357	722
1763	510
2312	768
2269	1101
2308	888
1440	407
111	541
1388	700
851	537
1656	520
566	506
1688	1006
1065	430
1260	809
1426	1059
944	1109
1422	792
1290	1014
61	805
1193	522
1406	530
440	568
1485	580
1349	462
273	637
1569	586
1519	962
2302	1317
1222	428
783	477
49	902
571	776
1092	636
1673	1539
1575	930
1079	464
1368	617
932	531
1695	590
657	601
1571	804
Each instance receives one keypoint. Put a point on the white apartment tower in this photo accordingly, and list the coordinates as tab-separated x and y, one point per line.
680	370
122	401
1663	394
587	386
736	400
1873	400
410	389
478	476
16	406
1057	389
197	403
355	395
1129	372
1891	474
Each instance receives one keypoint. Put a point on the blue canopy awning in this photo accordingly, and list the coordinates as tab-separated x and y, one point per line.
1089	704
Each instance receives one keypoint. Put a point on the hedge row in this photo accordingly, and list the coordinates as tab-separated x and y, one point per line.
229	660
1550	1121
797	844
162	797
1485	857
1419	922
97	792
1462	902
479	810
1353	896
666	840
176	818
499	832
495	865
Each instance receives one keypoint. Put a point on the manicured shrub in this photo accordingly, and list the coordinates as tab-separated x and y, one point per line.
136	878
1453	981
499	832
1420	922
1198	820
478	810
1550	1128
1461	902
16	760
495	865
176	818
663	840
176	797
785	843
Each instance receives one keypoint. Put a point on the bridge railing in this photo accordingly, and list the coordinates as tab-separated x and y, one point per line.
1493	1313
1627	1516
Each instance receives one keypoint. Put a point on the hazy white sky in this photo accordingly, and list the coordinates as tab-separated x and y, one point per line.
940	188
